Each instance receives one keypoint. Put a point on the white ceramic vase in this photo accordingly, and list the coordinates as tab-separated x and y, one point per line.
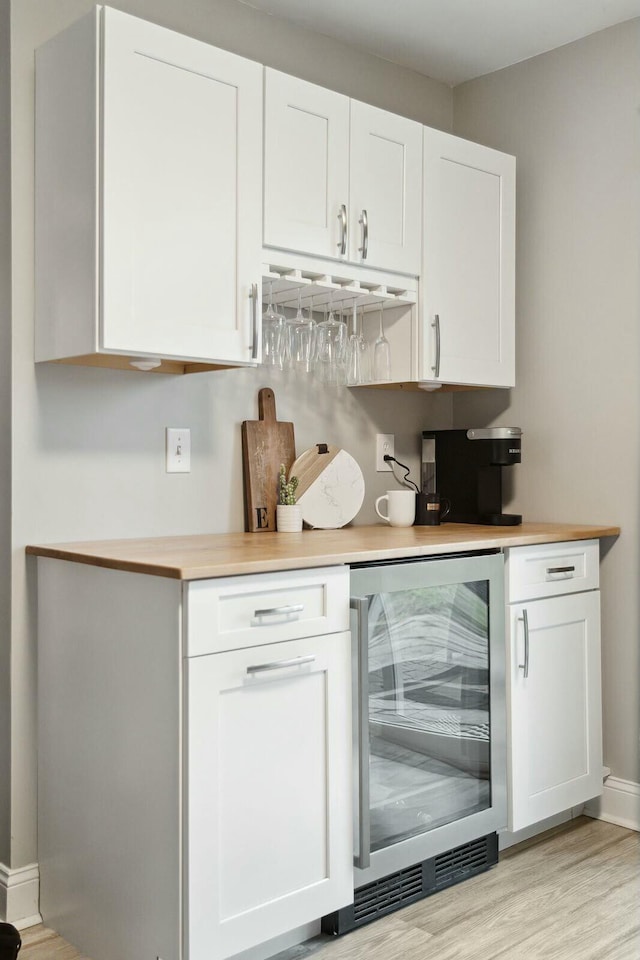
288	517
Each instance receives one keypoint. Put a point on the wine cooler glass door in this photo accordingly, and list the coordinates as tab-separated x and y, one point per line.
428	716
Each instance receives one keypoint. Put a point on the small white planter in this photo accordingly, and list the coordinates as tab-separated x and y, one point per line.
288	518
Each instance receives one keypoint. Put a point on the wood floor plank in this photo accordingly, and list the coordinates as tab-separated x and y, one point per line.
571	894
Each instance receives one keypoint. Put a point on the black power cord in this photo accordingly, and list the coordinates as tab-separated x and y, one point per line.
405	479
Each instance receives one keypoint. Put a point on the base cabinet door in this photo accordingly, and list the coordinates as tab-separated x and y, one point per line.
468	275
554	697
269	841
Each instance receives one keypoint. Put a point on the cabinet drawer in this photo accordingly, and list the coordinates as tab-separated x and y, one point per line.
237	612
551	569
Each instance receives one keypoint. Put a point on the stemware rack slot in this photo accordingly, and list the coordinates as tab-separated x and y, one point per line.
286	283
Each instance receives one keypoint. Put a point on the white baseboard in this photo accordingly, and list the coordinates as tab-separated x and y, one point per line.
19	895
619	803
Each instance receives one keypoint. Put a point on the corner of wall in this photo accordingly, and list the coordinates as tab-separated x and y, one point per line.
19	895
619	803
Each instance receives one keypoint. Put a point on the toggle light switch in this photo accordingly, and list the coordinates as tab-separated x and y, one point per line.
178	450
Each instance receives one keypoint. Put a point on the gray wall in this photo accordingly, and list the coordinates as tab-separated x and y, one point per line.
89	443
572	119
5	430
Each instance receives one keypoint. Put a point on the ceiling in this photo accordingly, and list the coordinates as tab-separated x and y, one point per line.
453	40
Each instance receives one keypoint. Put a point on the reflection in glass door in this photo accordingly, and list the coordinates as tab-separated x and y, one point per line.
429	719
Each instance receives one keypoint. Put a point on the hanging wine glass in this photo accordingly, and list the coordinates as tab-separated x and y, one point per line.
301	338
381	355
365	352
329	365
273	332
354	354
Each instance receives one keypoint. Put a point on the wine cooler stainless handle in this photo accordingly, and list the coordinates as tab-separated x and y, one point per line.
436	326
342	217
525	666
551	570
287	611
254	321
364	222
363	858
281	664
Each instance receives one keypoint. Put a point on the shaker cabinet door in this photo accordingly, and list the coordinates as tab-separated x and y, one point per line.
468	277
148	196
555	741
181	245
269	844
386	189
306	173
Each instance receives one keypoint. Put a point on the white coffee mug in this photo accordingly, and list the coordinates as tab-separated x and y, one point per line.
401	507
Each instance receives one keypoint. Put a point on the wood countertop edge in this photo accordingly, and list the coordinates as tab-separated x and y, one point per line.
117	555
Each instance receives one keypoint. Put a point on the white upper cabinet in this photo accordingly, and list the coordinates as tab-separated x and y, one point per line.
386	189
306	175
468	270
342	179
148	166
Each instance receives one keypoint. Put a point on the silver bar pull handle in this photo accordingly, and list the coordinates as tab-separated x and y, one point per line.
280	664
525	666
290	611
364	223
342	217
255	341
362	859
436	326
552	570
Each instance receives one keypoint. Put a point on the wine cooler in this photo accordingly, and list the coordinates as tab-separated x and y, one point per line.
429	728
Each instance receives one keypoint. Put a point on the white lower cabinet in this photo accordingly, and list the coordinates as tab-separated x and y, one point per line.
268	812
553	686
194	767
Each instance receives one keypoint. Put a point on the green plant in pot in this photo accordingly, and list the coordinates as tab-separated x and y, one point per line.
288	512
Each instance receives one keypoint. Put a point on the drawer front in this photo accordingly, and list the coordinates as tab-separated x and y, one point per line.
551	569
237	612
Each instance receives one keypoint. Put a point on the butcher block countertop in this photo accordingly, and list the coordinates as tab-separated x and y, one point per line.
227	554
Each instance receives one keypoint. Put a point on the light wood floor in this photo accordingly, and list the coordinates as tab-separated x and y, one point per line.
572	894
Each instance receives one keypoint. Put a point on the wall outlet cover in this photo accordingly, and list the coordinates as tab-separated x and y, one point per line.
385	445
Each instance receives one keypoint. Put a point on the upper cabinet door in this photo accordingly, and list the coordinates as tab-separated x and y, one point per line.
468	276
181	194
306	173
386	189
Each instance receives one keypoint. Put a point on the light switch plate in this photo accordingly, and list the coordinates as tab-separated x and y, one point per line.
178	449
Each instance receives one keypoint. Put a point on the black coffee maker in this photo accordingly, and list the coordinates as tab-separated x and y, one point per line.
465	466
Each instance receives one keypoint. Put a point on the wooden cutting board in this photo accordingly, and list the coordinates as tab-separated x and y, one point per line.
266	443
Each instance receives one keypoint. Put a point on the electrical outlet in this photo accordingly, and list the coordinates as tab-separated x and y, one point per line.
385	445
178	450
